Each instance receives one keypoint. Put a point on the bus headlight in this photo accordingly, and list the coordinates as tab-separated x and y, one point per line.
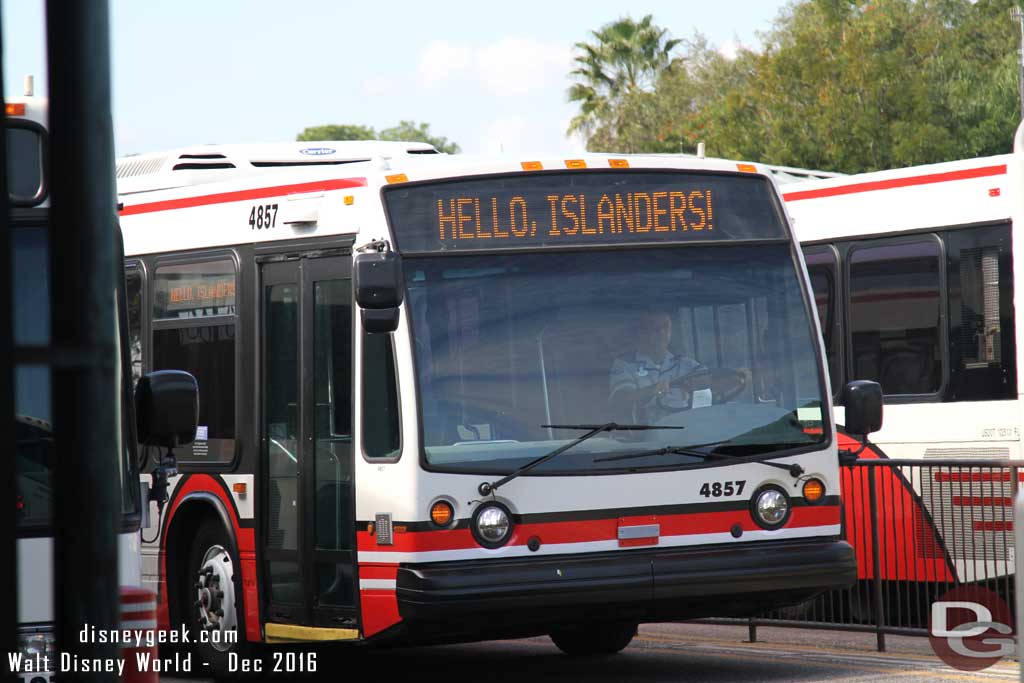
36	648
770	507
492	525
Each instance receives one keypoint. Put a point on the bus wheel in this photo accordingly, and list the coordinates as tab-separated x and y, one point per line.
213	614
593	639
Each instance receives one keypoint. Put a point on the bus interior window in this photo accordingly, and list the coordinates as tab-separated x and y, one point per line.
894	316
194	326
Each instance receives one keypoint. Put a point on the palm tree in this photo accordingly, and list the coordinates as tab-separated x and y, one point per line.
624	59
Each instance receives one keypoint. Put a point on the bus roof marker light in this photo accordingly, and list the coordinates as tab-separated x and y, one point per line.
575	163
532	166
14	108
746	168
618	163
397	178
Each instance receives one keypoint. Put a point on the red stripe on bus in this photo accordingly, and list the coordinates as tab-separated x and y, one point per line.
134	594
975	476
893	183
378	571
243	195
586	531
993	526
145	615
983	501
379	610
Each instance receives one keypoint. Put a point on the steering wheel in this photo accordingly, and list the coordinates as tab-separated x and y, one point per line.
725	383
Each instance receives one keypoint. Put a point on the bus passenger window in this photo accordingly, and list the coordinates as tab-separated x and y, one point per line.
982	348
381	436
133	287
194	328
894	316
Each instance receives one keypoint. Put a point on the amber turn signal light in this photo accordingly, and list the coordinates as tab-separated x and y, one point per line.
814	490
441	513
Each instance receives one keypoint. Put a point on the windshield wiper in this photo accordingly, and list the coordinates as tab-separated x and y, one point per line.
487	488
794	469
667	450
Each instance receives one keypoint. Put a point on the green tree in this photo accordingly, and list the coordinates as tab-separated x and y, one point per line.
703	84
859	86
405	131
845	85
332	132
410	131
621	65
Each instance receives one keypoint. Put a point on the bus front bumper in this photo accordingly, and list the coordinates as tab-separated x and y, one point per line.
521	596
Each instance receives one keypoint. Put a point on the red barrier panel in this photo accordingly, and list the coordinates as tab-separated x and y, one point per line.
138	616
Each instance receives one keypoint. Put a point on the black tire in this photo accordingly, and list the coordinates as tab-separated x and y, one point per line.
211	540
593	640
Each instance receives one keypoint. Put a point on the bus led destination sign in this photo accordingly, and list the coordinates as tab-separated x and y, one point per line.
580	208
573	217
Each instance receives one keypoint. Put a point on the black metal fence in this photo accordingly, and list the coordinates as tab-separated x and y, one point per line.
919	528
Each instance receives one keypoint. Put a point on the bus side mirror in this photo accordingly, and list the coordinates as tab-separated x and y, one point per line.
378	289
863	402
167	408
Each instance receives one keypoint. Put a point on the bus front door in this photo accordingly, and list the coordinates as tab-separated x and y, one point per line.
306	436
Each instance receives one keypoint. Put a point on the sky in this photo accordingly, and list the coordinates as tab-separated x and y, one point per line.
233	71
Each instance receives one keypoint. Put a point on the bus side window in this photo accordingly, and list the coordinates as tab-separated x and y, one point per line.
895	310
194	329
821	266
133	290
381	433
981	326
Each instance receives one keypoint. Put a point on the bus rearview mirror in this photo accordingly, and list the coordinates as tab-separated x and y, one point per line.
377	279
380	320
167	408
863	402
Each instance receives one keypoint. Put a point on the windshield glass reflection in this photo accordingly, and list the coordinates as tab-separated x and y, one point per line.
716	341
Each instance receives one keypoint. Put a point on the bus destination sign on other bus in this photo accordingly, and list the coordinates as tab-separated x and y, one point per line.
576	209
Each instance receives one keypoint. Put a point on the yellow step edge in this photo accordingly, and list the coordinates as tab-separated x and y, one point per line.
289	633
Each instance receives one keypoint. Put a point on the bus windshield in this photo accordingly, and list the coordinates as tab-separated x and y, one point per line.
715	340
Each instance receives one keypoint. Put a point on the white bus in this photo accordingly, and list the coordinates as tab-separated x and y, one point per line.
913	274
451	399
35	458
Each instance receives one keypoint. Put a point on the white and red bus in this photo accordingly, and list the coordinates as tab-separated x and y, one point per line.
451	399
913	274
35	458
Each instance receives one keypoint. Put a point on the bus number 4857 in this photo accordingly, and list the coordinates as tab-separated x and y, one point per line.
263	216
722	488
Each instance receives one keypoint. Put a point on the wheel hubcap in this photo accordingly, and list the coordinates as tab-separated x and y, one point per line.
215	598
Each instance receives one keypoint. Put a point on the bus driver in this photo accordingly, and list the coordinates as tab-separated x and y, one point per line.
644	384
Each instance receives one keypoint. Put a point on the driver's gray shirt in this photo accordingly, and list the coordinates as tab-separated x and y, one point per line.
641	371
